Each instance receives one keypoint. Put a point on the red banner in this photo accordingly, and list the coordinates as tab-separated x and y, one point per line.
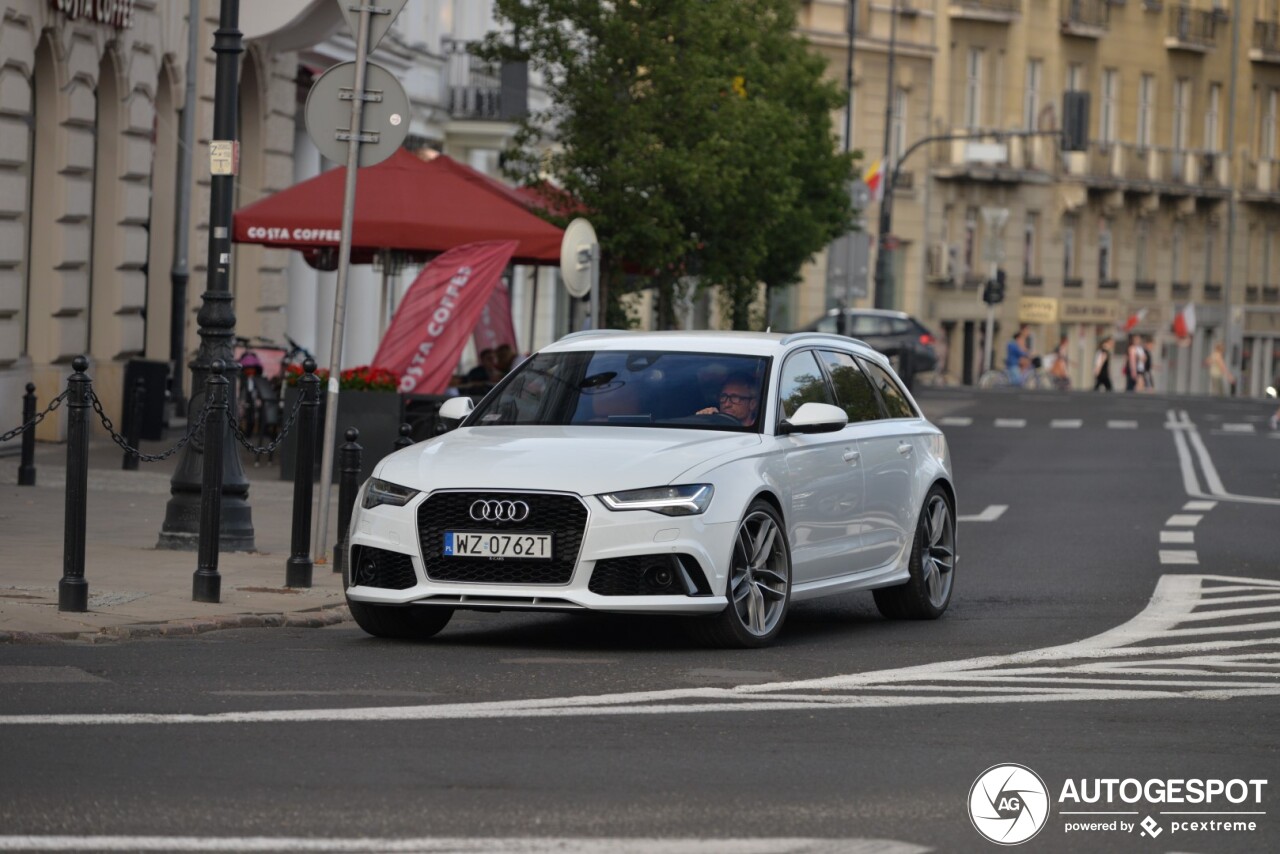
495	327
439	313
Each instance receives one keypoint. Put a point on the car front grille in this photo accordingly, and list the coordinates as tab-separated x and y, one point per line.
649	575
372	567
562	516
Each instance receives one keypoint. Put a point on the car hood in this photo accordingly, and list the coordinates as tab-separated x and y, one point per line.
585	460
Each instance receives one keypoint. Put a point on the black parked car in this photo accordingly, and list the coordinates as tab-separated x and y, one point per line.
898	335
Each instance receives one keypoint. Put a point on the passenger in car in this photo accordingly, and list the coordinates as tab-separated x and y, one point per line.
738	399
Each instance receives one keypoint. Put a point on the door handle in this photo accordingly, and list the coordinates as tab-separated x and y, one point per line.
906	448
852	456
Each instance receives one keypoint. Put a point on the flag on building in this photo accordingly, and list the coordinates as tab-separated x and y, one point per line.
1134	319
873	177
1184	323
438	315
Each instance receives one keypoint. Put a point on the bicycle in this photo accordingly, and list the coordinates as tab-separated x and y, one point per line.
1032	379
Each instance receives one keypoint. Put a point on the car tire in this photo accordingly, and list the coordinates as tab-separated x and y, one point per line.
927	592
759	585
403	622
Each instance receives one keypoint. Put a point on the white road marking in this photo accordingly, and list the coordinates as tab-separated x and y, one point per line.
1187	439
1122	425
955	421
1066	423
1178	556
1011	422
428	845
1183	520
1177	536
990	514
1238	428
1199	506
1163	652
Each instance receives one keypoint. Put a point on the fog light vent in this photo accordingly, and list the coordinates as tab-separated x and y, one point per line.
649	575
372	567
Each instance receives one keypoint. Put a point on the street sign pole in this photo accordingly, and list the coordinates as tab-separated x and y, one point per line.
340	298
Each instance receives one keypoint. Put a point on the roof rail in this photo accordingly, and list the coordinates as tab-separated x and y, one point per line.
800	336
587	333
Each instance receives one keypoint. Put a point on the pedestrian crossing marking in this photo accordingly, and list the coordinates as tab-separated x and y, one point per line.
1183	520
1011	422
1200	505
1122	424
1238	428
1177	536
955	421
990	514
1178	556
1066	423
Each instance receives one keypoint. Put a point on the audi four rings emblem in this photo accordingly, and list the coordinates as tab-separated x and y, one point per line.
499	511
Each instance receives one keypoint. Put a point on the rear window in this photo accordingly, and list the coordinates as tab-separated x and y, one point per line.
894	400
853	390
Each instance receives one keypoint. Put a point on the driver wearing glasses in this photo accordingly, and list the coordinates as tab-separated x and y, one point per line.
737	399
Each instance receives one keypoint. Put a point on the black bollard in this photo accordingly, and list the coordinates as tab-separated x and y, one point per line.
73	589
406	436
134	435
298	568
206	585
27	465
348	486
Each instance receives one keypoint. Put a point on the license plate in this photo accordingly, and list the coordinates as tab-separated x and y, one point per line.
492	544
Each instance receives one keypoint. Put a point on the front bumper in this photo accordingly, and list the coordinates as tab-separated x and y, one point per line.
608	535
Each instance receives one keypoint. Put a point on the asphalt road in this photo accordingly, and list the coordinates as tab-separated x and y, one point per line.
323	734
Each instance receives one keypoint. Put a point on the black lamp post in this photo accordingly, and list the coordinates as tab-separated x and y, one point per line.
883	286
217	320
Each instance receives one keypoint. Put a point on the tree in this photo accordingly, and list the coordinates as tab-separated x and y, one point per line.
696	132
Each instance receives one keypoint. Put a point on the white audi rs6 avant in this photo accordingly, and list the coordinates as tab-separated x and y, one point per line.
717	475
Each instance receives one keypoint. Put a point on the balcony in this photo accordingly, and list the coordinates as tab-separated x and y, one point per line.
1266	42
477	89
993	11
994	156
1190	29
1261	182
1086	19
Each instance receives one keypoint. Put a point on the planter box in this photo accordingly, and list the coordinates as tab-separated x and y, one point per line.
376	414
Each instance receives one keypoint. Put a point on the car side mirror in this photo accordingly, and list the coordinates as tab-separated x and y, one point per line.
815	418
454	410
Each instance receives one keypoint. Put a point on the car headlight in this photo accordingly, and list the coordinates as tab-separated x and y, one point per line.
669	500
378	492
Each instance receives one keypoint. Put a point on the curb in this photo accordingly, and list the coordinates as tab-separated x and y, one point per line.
327	615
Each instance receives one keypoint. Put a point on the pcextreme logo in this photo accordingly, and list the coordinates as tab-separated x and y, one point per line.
1008	804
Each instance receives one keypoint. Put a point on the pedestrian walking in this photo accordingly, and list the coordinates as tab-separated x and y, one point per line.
1102	364
1148	363
1060	369
1135	365
1220	377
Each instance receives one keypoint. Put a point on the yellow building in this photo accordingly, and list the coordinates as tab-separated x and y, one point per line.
1140	223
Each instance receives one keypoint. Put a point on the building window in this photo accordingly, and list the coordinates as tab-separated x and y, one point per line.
1267	145
1031	247
1175	253
1075	77
1146	105
1268	255
1181	113
1104	251
1141	242
1031	95
1068	248
1211	141
1210	244
973	90
1110	105
970	240
898	131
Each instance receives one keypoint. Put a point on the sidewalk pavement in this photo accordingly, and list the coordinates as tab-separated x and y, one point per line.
135	589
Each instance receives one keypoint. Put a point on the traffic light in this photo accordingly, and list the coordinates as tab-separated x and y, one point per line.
993	292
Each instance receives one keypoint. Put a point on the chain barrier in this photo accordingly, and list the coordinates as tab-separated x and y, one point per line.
30	425
193	427
275	443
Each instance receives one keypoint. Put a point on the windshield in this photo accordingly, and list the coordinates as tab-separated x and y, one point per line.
635	388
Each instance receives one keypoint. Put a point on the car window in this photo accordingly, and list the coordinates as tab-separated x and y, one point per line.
869	324
830	325
802	382
899	326
854	393
894	400
629	388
